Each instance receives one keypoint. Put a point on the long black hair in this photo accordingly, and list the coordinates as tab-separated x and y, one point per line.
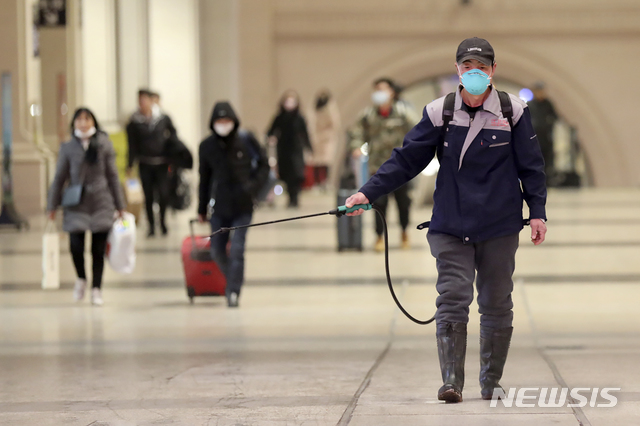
91	156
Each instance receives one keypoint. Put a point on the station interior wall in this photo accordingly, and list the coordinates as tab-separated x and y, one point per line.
195	52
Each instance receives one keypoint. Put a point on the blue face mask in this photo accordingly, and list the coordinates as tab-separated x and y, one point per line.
475	81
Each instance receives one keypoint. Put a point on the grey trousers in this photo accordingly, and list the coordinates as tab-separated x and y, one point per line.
457	263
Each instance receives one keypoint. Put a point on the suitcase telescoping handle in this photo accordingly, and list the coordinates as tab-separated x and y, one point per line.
193	234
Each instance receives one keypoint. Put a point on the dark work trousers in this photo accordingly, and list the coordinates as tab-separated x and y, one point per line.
231	262
457	263
404	203
98	247
155	184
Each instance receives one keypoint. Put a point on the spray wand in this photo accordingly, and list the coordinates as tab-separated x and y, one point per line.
338	212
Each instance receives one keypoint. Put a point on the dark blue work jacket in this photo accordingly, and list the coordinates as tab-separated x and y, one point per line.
486	169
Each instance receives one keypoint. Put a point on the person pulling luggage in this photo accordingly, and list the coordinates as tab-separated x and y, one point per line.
233	169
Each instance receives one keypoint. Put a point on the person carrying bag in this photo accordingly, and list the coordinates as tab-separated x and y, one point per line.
87	164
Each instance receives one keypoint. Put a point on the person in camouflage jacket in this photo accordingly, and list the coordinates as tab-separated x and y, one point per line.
382	127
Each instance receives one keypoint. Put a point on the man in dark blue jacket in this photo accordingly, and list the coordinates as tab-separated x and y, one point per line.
486	171
233	169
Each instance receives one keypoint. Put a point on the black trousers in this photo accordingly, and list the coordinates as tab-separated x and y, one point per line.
401	196
548	153
155	185
98	247
293	188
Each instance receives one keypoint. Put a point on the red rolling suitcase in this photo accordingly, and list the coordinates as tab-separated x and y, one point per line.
201	273
309	177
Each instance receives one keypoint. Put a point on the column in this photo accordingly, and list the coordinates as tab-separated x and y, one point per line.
258	97
99	61
174	64
16	45
133	54
219	67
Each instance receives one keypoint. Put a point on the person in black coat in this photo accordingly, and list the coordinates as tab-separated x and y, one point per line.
289	132
543	119
147	134
233	167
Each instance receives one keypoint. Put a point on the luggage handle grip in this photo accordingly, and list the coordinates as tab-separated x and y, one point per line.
193	234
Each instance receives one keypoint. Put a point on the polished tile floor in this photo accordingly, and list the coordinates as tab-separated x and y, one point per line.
317	339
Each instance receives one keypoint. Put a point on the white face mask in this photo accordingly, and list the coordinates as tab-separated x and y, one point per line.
156	111
380	97
84	135
290	104
223	129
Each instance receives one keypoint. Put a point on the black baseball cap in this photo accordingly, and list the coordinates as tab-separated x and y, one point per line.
475	48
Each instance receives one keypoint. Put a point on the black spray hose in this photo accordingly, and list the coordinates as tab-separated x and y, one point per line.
386	266
341	211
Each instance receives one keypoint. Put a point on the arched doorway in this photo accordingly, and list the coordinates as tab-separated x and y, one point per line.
607	167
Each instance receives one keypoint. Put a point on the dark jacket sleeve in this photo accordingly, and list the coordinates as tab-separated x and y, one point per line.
530	165
133	144
417	151
306	142
261	175
62	175
177	153
273	130
173	133
171	127
111	172
206	173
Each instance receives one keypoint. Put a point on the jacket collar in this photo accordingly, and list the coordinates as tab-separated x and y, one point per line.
491	104
152	121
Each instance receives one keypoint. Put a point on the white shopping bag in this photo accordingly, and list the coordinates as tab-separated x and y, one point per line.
121	244
133	192
50	257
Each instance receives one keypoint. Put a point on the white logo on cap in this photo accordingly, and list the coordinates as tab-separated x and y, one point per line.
474	48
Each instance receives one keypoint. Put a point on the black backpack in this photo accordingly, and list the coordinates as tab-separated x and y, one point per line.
450	103
447	116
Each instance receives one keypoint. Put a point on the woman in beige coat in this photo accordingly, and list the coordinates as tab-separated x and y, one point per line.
88	159
326	136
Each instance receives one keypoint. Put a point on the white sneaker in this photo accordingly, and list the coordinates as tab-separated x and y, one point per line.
96	297
78	289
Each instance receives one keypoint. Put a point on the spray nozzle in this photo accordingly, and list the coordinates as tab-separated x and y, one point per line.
342	210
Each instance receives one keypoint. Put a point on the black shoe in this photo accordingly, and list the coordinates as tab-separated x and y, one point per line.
449	393
452	349
232	300
165	231
151	234
494	347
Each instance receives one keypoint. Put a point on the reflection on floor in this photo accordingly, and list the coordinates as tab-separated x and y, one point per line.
317	339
